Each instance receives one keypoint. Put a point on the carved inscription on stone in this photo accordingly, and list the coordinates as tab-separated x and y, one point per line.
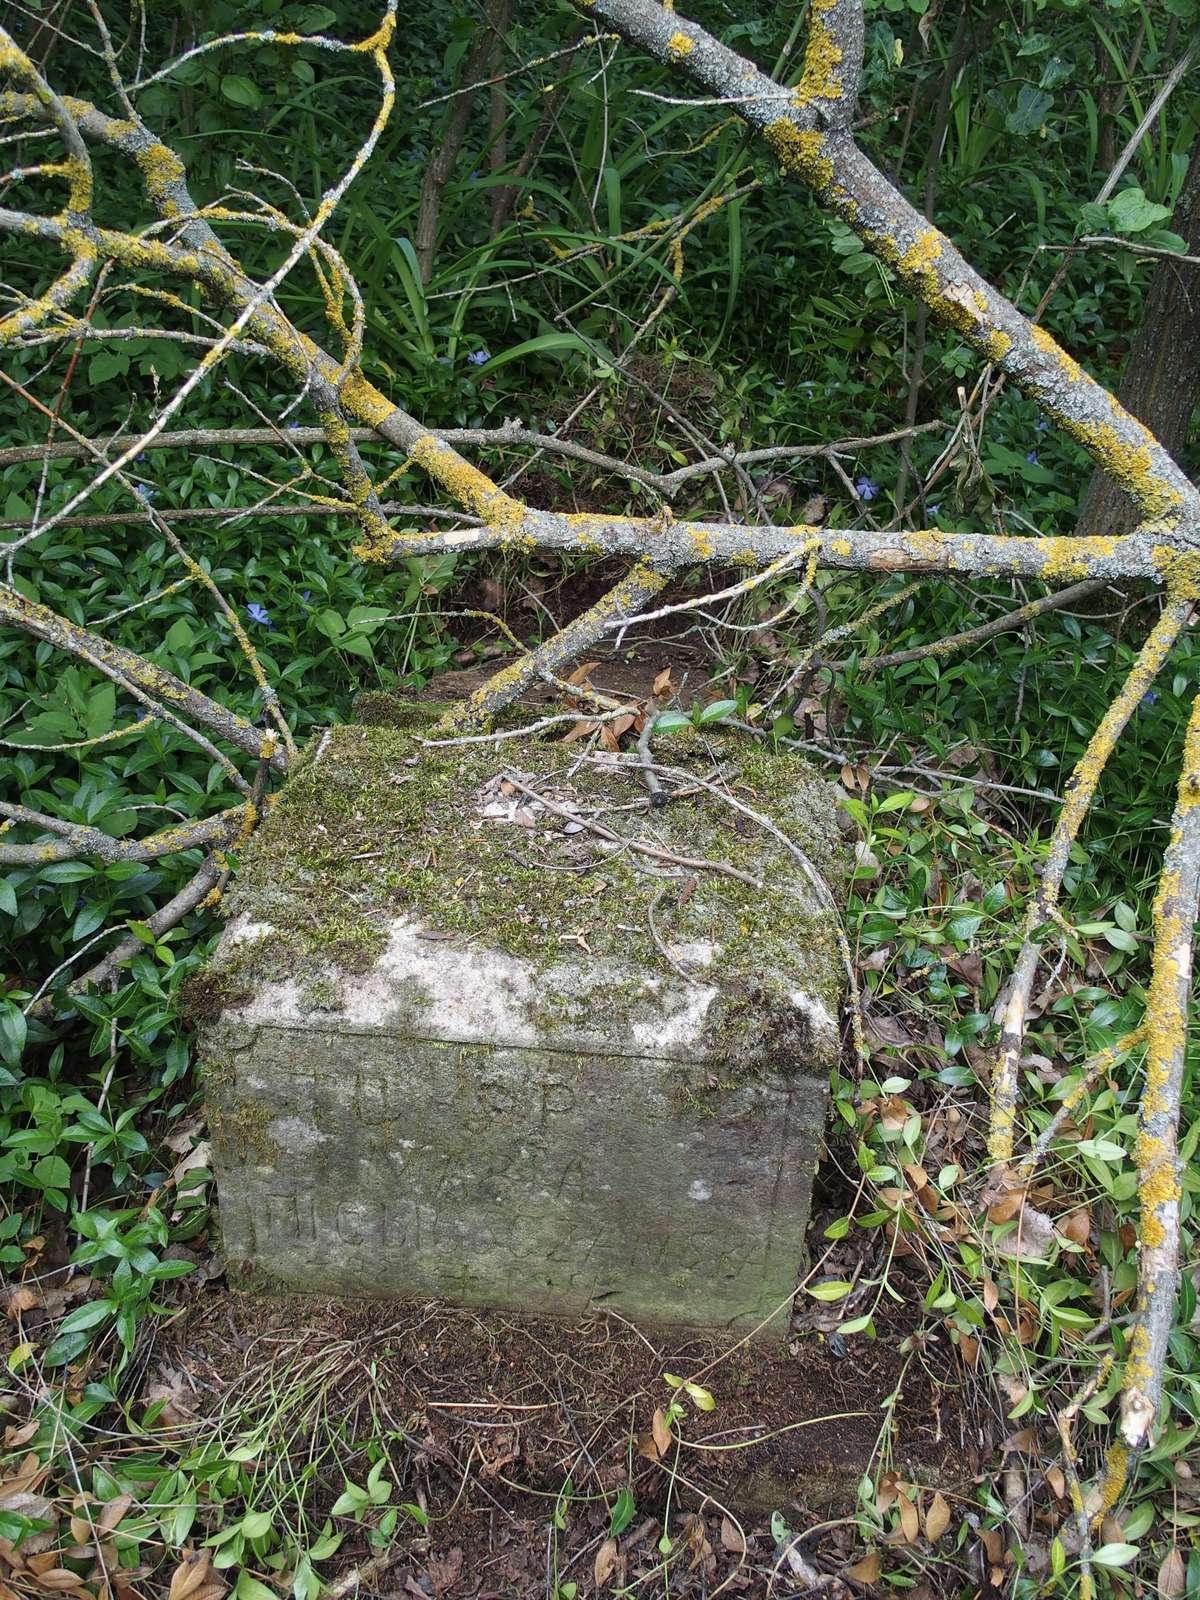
529	1178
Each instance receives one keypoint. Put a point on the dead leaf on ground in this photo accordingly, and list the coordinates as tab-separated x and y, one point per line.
1171	1576
605	1562
20	1298
1077	1226
866	1570
732	1537
910	1522
661	1429
937	1518
445	1570
190	1575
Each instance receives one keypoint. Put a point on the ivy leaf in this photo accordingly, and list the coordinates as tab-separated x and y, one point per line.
1029	113
1131	212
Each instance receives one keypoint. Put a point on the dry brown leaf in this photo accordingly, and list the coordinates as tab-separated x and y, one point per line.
1057	1481
1171	1576
113	1512
583	672
662	684
1006	1207
646	1446
993	1545
190	1575
445	1570
59	1578
26	1476
732	1537
661	1429
1078	1226
606	1560
910	1522
20	1298
885	1495
937	1518
215	1590
866	1570
14	1438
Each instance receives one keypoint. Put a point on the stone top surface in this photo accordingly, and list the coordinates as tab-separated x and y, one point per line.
522	891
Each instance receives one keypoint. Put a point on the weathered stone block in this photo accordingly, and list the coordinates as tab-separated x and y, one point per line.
487	1025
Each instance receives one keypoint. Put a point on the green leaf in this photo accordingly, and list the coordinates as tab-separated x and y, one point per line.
896	802
14	1527
834	1290
1115	1555
13	1029
241	91
86	1316
546	344
8	897
716	711
248	1588
179	635
1131	212
256	1523
1029	113
671	722
623	1512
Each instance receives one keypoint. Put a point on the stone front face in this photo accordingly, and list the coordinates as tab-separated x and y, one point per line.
530	1179
458	1043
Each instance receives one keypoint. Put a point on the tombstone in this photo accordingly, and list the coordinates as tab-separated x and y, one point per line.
501	1024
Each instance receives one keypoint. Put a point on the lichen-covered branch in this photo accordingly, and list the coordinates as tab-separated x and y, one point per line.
71	839
1080	792
126	667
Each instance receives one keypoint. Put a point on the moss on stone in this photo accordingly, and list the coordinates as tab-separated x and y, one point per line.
374	825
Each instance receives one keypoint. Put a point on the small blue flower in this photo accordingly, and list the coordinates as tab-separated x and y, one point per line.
1032	458
935	508
143	493
293	427
1041	426
865	488
478	357
1149	698
258	613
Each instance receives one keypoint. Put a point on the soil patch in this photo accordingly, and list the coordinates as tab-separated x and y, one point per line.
524	1442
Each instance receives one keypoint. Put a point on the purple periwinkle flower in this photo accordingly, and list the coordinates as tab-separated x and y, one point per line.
1149	698
258	613
1041	426
143	493
1032	458
478	357
866	488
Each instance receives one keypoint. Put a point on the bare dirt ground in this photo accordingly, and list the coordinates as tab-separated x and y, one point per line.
525	1443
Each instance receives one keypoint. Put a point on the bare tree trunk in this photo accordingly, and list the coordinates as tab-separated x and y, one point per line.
1162	375
497	113
454	131
506	198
